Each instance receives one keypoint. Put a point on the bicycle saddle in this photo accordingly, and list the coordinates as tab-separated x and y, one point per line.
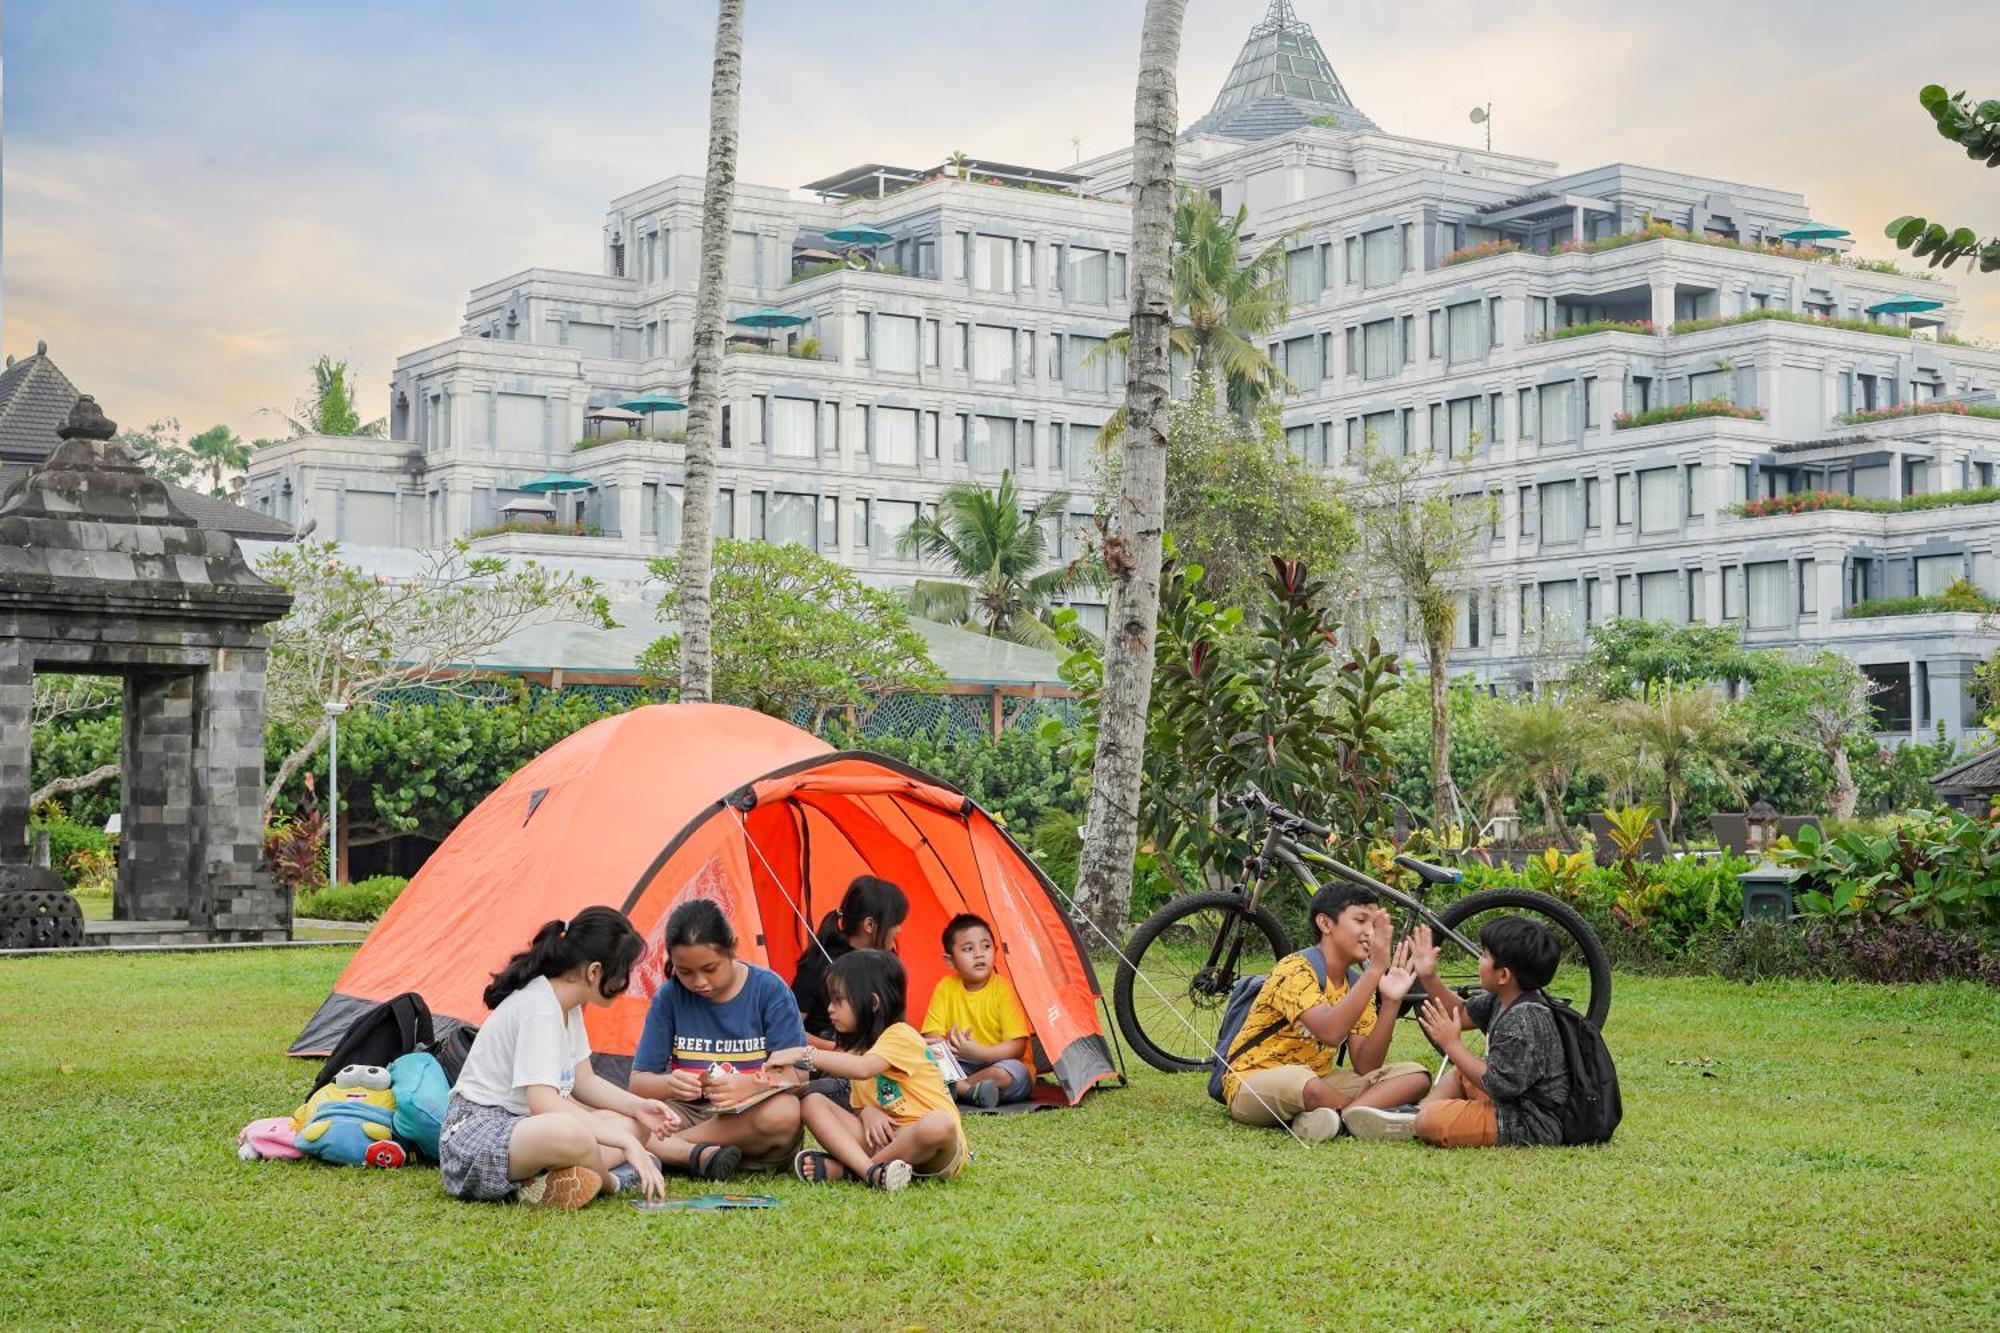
1430	873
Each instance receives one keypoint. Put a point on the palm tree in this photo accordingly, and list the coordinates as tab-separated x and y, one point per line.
1133	550
992	548
1543	741
329	410
1223	306
697	554
222	452
1671	738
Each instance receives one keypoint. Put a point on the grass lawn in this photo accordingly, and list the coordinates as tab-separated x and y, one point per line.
1792	1156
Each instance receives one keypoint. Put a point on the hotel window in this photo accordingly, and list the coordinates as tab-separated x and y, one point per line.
1436	333
896	436
895	349
1697	499
1557	410
890	520
1743	483
1025	361
1628	498
1660	596
759	504
1082	450
1732	593
725	512
753	422
1353	351
930	342
1298	441
1529	426
1379	340
1657	509
1628	596
1538	317
1354	438
1808	588
992	444
1766	584
1697	597
829	523
1526	510
1465	426
1935	573
1118	276
1708	384
1409	340
792	422
1085	371
1381	257
1560	512
1353	261
743	258
993	354
1301	363
1302	282
1089	276
1590	402
1593	510
1560	615
993	264
1465	623
1382	431
794	519
1492	322
1467	330
830	430
1026	266
1592	590
960	243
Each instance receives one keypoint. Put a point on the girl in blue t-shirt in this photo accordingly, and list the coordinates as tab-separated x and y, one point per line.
719	1042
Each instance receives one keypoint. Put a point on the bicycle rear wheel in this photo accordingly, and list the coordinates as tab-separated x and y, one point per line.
1583	976
1174	979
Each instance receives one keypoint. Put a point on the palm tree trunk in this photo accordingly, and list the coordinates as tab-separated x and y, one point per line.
1133	549
1846	794
1552	816
697	563
1444	793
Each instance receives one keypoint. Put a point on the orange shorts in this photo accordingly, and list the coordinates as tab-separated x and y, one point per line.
1466	1122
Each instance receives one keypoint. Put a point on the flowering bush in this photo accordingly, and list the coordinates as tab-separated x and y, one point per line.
1919	410
1598	326
1789	317
1706	407
1960	596
1809	502
1483	250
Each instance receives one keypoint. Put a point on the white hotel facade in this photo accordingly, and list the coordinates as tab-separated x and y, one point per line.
971	355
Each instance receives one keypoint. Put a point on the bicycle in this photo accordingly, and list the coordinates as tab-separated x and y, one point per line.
1174	978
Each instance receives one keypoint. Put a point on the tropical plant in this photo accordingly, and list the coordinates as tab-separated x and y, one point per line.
222	454
329	408
1542	743
363	900
1627	654
1707	407
997	554
696	609
1823	698
158	449
1560	874
795	630
295	844
1938	866
1975	128
1133	546
1671	740
1421	538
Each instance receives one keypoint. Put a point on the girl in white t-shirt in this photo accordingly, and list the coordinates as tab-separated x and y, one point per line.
529	1118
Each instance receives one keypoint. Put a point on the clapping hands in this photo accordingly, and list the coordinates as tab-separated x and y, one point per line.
1397	979
1442	1023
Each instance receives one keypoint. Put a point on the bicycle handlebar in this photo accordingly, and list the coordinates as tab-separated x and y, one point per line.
1251	796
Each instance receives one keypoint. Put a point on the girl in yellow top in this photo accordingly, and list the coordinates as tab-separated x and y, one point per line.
904	1122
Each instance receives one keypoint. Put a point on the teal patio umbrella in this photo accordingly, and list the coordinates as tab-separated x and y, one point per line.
859	236
652	403
769	318
1813	231
550	482
1904	303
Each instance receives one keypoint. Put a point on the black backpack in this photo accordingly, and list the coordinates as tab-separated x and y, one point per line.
1241	996
393	1028
1593	1109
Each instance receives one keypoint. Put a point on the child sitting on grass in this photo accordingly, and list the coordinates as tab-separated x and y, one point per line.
1515	1094
529	1118
976	1013
903	1120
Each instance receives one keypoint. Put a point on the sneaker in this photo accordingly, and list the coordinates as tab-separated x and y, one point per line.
1317	1125
571	1187
1372	1122
624	1177
984	1096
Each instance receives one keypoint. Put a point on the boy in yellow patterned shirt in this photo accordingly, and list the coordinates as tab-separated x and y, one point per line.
1282	1070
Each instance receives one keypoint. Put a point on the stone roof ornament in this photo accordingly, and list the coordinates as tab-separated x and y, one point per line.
86	421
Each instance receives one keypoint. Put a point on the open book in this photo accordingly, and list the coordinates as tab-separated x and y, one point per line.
945	1059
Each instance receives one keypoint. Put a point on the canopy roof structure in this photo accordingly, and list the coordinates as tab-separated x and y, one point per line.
1281	80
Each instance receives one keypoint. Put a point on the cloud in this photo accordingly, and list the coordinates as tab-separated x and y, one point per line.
203	198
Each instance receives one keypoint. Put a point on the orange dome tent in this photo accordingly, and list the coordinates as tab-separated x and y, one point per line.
675	801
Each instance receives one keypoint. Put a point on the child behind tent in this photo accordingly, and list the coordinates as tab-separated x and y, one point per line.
976	1012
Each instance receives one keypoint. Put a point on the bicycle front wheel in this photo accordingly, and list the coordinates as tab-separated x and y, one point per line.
1178	968
1583	974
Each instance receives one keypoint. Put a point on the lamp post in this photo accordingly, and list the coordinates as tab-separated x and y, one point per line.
334	708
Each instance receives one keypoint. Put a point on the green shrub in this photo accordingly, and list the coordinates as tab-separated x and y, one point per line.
364	901
1056	844
80	853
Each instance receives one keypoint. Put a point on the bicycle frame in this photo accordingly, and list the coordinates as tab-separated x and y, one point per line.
1295	858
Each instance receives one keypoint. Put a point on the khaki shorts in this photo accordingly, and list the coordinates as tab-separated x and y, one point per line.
1271	1097
1466	1122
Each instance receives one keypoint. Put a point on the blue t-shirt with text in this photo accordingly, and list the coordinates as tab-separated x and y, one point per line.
685	1031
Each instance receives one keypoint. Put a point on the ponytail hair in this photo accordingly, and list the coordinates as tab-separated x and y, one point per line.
594	935
701	921
867	896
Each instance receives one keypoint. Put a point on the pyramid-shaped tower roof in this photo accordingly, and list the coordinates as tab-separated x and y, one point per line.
1281	80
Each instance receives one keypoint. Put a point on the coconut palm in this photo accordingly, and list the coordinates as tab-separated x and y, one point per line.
1134	548
996	553
222	454
1224	305
718	197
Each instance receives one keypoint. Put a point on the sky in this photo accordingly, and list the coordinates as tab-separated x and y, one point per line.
200	198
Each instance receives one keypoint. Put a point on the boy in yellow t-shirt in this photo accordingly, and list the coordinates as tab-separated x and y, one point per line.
979	1016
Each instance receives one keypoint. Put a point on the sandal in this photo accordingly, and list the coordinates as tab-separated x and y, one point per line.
815	1168
713	1161
888	1176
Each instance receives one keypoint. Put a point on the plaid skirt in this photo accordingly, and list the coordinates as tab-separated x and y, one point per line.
472	1150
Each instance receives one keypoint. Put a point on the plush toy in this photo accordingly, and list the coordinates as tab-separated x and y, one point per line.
273	1137
350	1121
